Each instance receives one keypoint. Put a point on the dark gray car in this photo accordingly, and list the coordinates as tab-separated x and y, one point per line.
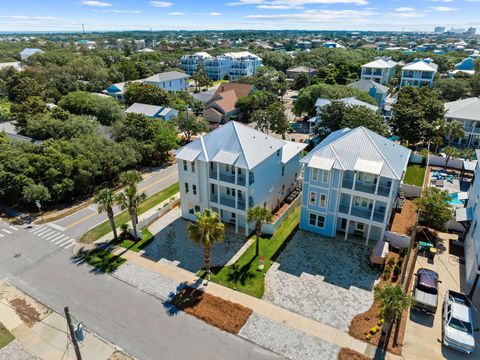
425	292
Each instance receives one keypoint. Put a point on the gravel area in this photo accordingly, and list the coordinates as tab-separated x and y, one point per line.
326	279
286	341
151	282
172	244
15	351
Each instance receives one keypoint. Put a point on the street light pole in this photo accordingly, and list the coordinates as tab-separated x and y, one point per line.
72	334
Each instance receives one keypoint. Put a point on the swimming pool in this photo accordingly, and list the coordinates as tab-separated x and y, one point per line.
454	199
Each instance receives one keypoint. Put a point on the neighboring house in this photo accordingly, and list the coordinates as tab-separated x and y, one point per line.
227	66
420	72
222	108
376	90
204	96
169	81
234	168
350	186
381	70
466	66
152	111
15	64
117	90
467	112
27	52
292	73
470	215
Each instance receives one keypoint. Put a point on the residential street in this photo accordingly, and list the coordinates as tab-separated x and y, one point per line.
77	224
123	315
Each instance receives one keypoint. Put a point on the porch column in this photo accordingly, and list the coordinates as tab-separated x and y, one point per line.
218	171
218	194
236	198
236	223
368	234
346	229
236	177
246	227
378	183
373	209
354	180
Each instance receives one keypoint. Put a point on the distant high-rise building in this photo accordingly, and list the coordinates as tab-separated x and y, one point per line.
471	31
439	29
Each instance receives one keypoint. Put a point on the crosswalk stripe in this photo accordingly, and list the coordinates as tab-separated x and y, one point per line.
47	233
34	230
13	227
58	237
51	235
5	230
73	243
1	235
43	231
64	242
66	238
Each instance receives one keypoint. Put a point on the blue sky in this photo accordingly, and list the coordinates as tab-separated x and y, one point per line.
97	15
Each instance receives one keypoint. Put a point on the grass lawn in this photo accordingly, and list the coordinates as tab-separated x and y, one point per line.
104	228
244	274
5	336
101	258
414	175
136	246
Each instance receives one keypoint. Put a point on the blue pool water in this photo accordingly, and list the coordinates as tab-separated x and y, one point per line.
455	200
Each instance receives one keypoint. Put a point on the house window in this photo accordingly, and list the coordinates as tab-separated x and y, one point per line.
283	170
314	174
325	176
186	188
194	189
317	220
197	208
228	191
184	165
368	178
362	202
283	189
192	165
323	200
170	83
278	152
313	198
213	188
239	195
211	166
360	226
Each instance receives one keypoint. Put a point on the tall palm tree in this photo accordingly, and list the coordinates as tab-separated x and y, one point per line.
130	178
393	302
129	199
455	130
260	215
206	231
105	200
451	153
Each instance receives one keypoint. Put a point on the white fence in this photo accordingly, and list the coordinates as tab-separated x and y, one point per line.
396	240
435	160
411	191
158	214
270	228
416	158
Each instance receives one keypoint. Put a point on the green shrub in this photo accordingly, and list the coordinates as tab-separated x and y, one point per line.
397	270
391	261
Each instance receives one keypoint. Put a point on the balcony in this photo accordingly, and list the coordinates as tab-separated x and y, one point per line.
227	201
214	198
383	190
365	187
241	179
361	212
347	183
227	177
241	204
379	216
213	174
344	208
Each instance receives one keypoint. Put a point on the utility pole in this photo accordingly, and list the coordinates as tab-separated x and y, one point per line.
72	334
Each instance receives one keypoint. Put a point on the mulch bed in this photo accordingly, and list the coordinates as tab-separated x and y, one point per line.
29	315
221	313
349	354
405	220
118	355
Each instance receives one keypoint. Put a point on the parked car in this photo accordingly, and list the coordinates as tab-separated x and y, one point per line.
457	324
425	291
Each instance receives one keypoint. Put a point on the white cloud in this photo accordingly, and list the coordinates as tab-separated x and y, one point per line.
406	15
292	4
119	11
442	8
96	3
22	17
214	14
162	4
176	13
405	9
316	15
444	1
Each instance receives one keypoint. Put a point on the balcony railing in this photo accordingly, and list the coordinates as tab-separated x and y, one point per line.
365	187
378	216
227	177
347	183
241	180
362	213
344	208
227	201
383	190
214	198
241	204
213	174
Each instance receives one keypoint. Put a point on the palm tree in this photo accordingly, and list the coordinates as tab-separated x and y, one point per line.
105	200
393	302
439	130
129	199
468	154
206	231
260	215
455	130
451	153
130	178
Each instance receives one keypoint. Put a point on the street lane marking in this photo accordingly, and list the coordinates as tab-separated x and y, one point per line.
62	240
34	230
56	227
5	230
58	237
63	243
81	220
1	235
43	231
49	232
159	180
66	247
51	235
13	227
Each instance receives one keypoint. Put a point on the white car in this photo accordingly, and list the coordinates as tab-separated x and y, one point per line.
457	330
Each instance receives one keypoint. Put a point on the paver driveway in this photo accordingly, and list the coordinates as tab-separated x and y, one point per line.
172	243
326	279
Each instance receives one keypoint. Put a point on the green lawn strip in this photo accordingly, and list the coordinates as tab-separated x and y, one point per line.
136	246
244	274
5	336
414	175
122	217
101	258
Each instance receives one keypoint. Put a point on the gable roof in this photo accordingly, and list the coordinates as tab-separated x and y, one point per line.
380	64
360	148
303	69
239	145
167	76
468	109
421	65
144	109
31	51
227	95
366	85
348	100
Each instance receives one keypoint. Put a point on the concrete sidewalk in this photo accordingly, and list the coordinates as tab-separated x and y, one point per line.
47	339
261	307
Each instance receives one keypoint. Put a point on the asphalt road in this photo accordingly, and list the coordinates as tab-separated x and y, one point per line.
116	311
77	224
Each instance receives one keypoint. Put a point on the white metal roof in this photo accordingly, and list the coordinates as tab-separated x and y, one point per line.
321	163
252	146
226	157
188	154
144	109
468	109
166	76
291	149
421	66
368	166
463	214
346	146
349	101
366	85
380	64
